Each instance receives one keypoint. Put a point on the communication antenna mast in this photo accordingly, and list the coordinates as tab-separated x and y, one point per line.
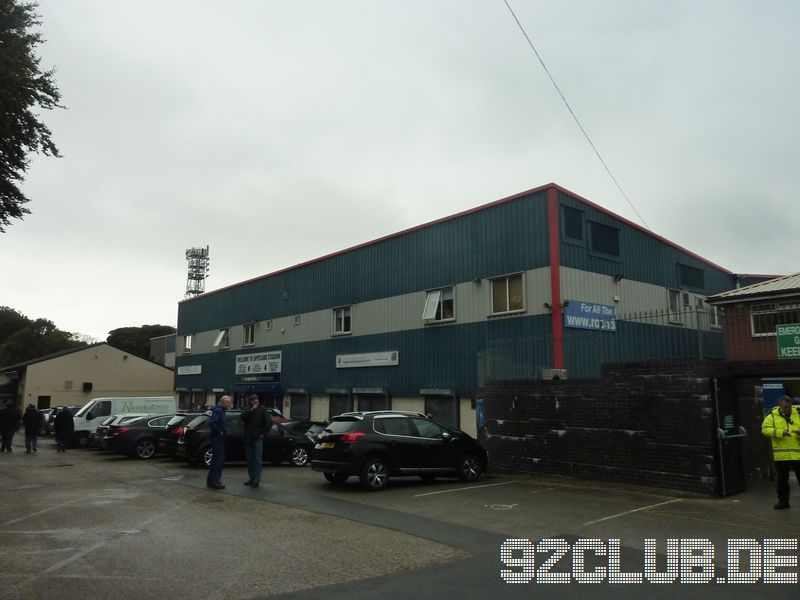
198	271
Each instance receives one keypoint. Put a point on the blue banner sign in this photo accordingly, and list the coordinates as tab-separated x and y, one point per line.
587	315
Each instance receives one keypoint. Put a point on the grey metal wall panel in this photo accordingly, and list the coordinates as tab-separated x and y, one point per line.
385	315
438	357
643	256
503	238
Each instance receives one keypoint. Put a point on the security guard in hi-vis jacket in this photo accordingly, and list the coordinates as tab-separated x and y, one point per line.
782	426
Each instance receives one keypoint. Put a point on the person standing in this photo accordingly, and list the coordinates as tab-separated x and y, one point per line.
63	427
257	423
33	422
9	424
217	428
782	426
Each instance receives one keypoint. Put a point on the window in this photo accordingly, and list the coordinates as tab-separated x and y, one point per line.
341	320
395	426
573	224
765	317
223	339
439	305
268	325
427	429
717	313
604	239
691	277
507	294
187	344
674	305
249	331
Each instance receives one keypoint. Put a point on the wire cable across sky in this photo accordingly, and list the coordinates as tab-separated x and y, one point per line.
574	116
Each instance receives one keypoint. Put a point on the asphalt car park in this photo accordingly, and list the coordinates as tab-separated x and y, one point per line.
93	524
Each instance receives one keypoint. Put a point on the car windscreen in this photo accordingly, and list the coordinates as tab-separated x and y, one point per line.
84	409
175	420
342	425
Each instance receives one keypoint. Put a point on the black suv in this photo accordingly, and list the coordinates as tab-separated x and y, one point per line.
375	445
280	444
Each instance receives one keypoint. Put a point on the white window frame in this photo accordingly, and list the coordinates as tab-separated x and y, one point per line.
268	325
434	300
674	303
342	320
249	334
775	309
507	278
187	344
223	339
717	314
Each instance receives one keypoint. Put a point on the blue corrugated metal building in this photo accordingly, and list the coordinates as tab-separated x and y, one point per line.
541	284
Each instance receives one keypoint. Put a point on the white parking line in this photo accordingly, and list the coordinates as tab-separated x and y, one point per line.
22	518
622	514
472	487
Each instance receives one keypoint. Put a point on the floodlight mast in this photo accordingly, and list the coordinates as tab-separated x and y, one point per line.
198	271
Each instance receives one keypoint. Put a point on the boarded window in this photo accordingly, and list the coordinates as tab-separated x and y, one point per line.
573	224
691	277
605	239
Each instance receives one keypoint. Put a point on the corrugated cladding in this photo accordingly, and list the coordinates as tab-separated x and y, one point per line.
433	357
503	238
642	257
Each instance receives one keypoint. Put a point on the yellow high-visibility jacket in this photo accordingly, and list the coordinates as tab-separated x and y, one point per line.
783	447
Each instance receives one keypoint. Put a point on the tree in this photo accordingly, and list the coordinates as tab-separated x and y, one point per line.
136	340
22	339
23	87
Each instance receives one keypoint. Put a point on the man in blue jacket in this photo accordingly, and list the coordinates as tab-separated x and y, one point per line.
217	428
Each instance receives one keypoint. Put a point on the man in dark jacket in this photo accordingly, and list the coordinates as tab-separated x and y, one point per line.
9	424
63	428
217	428
33	422
257	422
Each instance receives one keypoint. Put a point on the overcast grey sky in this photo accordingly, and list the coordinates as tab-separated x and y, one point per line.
276	132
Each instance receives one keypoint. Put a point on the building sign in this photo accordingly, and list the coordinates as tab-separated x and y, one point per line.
788	340
258	362
371	359
190	370
586	315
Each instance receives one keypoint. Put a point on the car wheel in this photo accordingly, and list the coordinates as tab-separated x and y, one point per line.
299	456
82	441
335	478
145	448
375	475
470	469
205	456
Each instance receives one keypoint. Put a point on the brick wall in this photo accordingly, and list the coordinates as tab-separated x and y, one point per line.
637	424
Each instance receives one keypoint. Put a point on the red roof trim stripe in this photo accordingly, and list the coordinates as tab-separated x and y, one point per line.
458	215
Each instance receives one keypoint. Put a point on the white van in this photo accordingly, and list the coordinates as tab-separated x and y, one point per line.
98	409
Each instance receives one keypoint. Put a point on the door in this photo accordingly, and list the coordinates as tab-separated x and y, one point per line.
730	437
404	449
439	453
